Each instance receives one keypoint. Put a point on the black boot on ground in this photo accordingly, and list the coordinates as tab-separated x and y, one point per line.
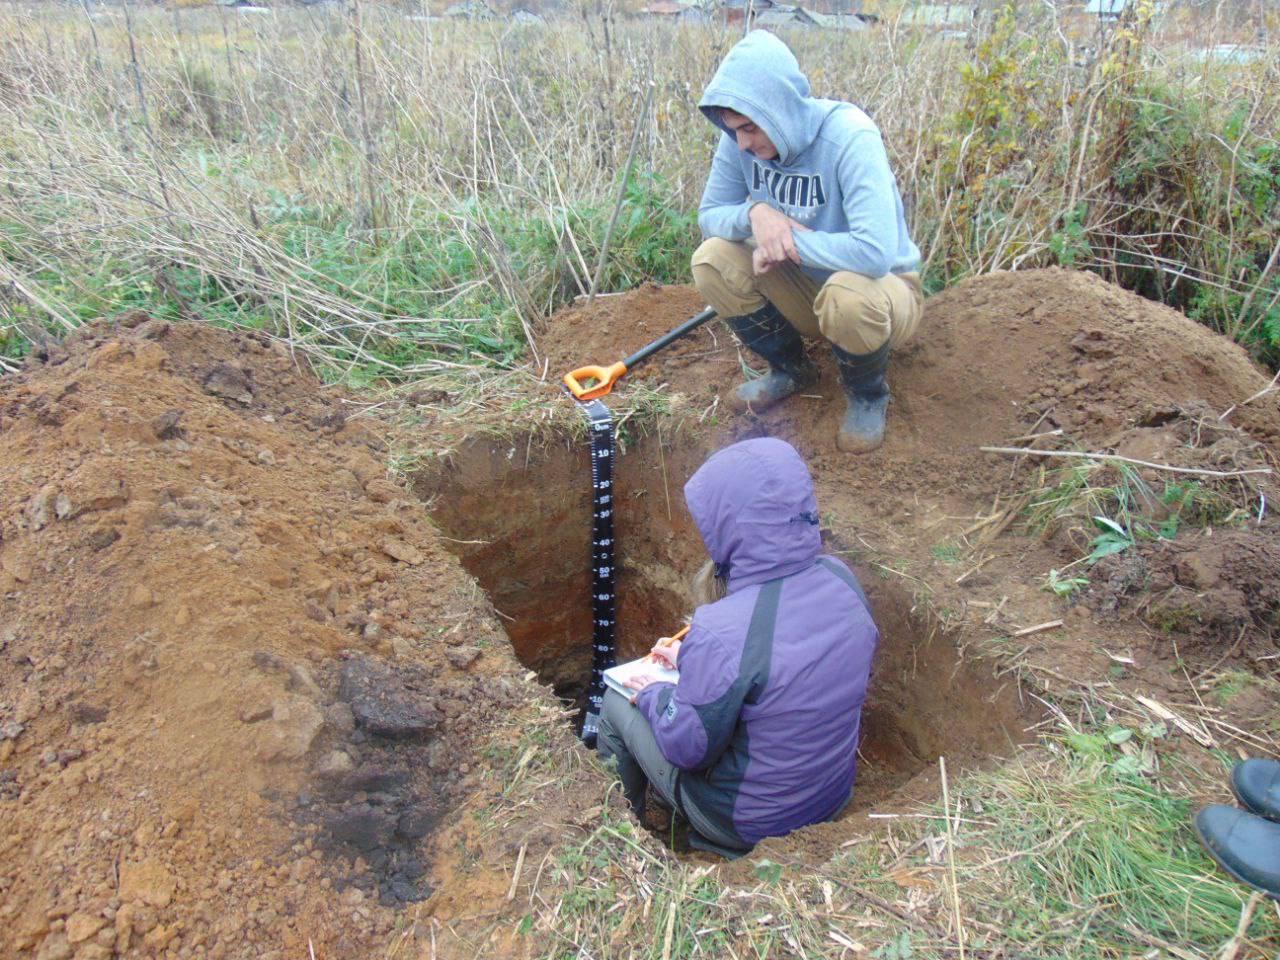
1243	844
864	384
1256	784
767	334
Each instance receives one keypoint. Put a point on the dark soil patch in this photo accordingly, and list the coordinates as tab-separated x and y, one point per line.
1217	587
194	545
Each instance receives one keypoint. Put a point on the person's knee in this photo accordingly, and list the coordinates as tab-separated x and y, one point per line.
722	273
614	712
855	313
608	726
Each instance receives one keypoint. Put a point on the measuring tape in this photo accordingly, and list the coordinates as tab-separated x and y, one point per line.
603	605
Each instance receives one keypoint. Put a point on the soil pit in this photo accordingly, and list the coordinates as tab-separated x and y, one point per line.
519	518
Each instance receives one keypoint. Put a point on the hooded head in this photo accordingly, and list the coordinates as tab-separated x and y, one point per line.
753	503
761	79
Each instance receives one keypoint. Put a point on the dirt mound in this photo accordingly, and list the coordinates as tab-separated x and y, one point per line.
1096	356
205	578
994	356
1215	586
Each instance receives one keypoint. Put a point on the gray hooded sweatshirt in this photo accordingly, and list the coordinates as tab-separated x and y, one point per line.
831	173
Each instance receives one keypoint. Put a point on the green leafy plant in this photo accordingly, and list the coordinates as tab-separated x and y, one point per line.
899	948
1062	586
1113	539
1069	243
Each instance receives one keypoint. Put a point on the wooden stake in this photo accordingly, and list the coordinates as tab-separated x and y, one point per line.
622	193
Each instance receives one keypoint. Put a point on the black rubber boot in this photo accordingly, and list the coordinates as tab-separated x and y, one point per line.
1256	784
868	392
767	334
1244	845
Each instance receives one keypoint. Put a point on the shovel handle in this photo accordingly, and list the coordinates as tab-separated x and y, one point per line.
602	380
605	377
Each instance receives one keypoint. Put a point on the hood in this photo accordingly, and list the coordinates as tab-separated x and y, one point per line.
761	79
754	505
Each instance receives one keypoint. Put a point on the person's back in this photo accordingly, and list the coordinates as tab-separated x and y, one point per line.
764	721
793	757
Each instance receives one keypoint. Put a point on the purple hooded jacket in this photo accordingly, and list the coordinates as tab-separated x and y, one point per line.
764	721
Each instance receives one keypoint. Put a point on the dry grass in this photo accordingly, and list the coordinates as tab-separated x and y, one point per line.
401	197
1078	848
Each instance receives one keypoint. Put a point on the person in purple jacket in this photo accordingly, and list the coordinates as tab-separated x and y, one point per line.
760	735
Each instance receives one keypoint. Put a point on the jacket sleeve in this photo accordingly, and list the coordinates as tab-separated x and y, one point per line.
725	199
870	243
694	720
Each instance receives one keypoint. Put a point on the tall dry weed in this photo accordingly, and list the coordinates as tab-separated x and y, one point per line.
366	182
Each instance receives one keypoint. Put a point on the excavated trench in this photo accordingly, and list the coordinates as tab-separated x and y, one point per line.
519	519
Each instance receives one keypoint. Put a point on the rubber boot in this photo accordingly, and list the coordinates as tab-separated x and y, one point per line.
868	392
1244	845
767	334
1256	784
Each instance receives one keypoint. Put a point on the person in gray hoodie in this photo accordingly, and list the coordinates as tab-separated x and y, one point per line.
804	234
760	735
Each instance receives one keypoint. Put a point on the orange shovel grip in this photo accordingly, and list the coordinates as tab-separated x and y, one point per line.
604	378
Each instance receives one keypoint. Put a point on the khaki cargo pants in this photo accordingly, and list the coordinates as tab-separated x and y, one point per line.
854	312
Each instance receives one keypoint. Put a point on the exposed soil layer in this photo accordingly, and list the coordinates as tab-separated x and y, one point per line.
251	699
521	526
1218	587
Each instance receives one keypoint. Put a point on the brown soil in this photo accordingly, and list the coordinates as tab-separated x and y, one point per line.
201	563
1219	587
250	693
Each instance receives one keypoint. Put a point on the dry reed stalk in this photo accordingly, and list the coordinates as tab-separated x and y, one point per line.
641	121
1083	455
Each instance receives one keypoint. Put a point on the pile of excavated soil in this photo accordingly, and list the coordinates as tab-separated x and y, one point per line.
241	682
990	353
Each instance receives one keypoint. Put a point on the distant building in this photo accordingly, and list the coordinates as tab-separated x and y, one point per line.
939	15
1109	11
469	10
527	18
735	11
1106	9
782	16
694	15
663	8
1230	53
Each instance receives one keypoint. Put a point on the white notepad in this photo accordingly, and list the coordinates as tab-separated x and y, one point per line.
615	677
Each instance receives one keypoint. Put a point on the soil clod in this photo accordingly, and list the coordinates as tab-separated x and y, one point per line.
383	702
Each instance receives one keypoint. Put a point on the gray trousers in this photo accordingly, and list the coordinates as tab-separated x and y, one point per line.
625	736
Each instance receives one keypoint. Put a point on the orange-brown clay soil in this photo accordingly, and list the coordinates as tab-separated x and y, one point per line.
232	708
253	690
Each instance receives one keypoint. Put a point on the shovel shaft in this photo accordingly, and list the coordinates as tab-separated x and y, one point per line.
593	382
644	353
